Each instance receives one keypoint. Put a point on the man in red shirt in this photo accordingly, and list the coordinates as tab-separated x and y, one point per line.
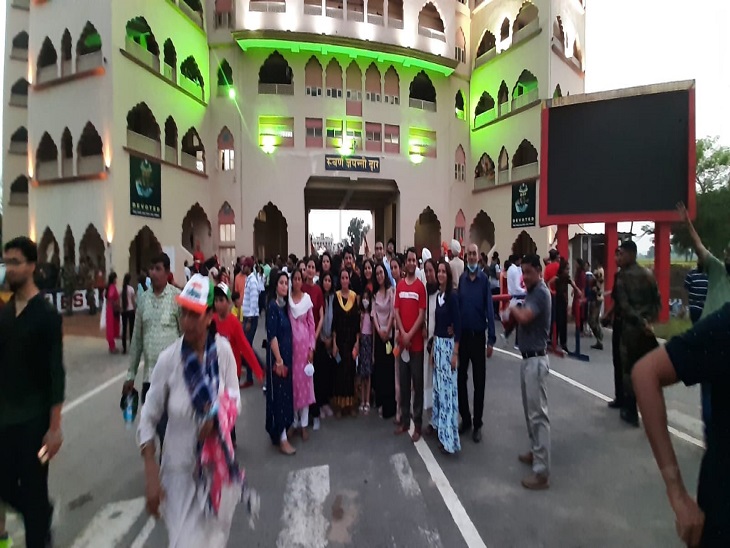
410	311
552	265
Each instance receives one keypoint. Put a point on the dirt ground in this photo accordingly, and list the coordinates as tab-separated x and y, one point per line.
82	324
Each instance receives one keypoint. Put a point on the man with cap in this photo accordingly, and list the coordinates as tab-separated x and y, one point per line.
456	263
250	311
637	300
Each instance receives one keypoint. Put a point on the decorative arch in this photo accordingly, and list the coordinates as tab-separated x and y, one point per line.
142	249
485	104
190	70
460	45
197	232
169	54
20	87
192	147
422	89
558	92
313	76
171	133
430	18
225	139
459	104
373	83
427	232
270	233
526	83
89	41
67	153
577	51
141	120
48	250
92	250
524	245
353	76
503	93
527	14
333	79
459	164
482	232
503	166
504	30
558	31
275	70
19	141
20	41
391	85
66	53
485	169
226	152
225	74
47	57
69	247
90	143
19	191
525	154
46	158
139	31
487	43
460	226
227	234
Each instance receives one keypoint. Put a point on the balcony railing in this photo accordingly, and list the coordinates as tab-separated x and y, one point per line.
91	165
194	16
503	176
267	7
46	74
375	19
432	33
484	57
67	67
557	45
188	161
191	87
421	104
22	4
18	147
503	108
312	9
169	72
353	15
526	32
143	144
138	52
488	181
222	91
335	13
17	100
276	89
67	167
19	54
525	99
18	198
527	171
94	59
485	117
395	23
171	154
46	171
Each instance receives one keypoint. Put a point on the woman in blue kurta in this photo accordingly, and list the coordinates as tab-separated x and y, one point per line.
279	391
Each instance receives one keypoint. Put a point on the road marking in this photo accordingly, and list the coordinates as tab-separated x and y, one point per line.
672	430
405	475
111	525
144	534
303	517
458	512
91	393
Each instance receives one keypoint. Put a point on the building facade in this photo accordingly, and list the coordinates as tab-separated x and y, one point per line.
181	125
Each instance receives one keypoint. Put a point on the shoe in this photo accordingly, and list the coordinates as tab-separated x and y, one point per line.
630	418
615	404
315	424
536	482
526	458
366	409
565	348
597	346
246	384
464	428
416	435
477	435
400	430
286	448
305	434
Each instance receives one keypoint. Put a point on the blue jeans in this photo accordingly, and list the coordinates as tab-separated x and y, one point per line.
249	330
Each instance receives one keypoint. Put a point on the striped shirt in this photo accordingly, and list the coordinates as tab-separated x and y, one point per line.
251	297
696	285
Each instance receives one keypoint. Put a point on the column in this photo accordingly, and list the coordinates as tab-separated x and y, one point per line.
609	261
662	265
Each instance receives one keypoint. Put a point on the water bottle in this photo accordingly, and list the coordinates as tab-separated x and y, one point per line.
128	412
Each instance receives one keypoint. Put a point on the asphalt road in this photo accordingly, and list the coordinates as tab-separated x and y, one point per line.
356	484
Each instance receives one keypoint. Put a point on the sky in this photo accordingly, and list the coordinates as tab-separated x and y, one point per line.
630	43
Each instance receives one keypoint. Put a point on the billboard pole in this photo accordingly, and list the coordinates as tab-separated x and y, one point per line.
609	262
662	265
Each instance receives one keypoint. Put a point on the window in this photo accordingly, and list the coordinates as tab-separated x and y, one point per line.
393	138
334	93
314	91
228	233
314	132
372	96
459	172
354	95
226	160
392	99
373	136
334	133
460	53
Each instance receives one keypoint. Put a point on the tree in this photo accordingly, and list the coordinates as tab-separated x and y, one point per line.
356	232
650	252
713	164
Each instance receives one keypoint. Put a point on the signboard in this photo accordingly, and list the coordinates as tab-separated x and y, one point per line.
58	300
524	204
364	164
145	188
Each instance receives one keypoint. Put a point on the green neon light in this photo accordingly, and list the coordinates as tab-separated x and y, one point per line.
329	49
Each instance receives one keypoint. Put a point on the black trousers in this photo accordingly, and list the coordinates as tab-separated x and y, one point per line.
618	381
384	378
323	375
24	480
127	321
561	320
472	349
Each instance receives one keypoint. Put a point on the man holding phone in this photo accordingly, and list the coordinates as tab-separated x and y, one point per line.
32	385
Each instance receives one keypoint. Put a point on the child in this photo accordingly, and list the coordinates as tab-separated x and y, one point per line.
236	308
365	358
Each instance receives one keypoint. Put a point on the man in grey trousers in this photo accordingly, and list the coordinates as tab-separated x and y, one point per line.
533	320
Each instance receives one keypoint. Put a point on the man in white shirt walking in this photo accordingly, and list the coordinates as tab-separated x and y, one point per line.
250	310
515	288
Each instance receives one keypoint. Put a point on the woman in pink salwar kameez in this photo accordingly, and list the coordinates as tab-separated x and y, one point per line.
302	326
113	310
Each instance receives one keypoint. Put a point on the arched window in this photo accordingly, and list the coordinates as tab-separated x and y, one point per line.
372	84
395	14
169	67
89	43
459	164
67	154
487	45
430	23
313	77
170	140
525	90
528	14
559	34
504	30
90	151
225	74
189	70
226	152
484	111
558	92
227	234
19	191
193	151
577	53
141	43
19	93
503	101
459	105
354	90
275	76
20	46
391	87
143	133
484	172
19	141
47	68
333	79
46	159
460	46
524	161
422	94
503	166
66	53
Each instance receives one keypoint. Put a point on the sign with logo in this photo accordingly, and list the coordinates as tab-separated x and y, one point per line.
364	164
524	200
79	301
145	188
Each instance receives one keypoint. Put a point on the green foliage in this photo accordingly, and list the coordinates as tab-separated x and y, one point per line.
356	232
672	328
713	164
189	69
711	223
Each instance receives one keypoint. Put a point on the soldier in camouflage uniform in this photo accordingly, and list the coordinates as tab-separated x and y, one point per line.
637	300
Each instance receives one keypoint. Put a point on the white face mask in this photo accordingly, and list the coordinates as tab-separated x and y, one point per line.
365	303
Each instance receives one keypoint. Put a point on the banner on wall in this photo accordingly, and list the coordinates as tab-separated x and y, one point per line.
145	188
524	198
364	164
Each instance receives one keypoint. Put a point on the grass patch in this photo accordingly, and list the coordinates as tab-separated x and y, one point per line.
672	328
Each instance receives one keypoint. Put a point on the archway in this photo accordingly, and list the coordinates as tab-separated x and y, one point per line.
460	226
49	261
142	250
227	235
92	250
524	245
270	233
482	232
69	246
427	232
197	231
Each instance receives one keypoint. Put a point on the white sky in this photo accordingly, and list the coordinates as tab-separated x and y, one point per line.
629	43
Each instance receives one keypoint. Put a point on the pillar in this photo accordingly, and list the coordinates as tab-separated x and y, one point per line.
662	265
609	262
563	242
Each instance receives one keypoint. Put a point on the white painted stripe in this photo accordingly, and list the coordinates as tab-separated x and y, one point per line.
110	525
458	512
144	534
678	433
405	475
303	517
91	393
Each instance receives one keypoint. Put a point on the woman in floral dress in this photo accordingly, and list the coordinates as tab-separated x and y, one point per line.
301	316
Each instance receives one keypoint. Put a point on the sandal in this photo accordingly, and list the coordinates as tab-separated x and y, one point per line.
366	408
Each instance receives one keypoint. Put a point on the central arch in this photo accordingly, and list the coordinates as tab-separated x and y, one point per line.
482	232
197	231
427	232
92	250
524	245
270	233
142	250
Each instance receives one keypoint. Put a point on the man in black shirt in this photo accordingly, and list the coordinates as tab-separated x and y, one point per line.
32	384
348	256
701	355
